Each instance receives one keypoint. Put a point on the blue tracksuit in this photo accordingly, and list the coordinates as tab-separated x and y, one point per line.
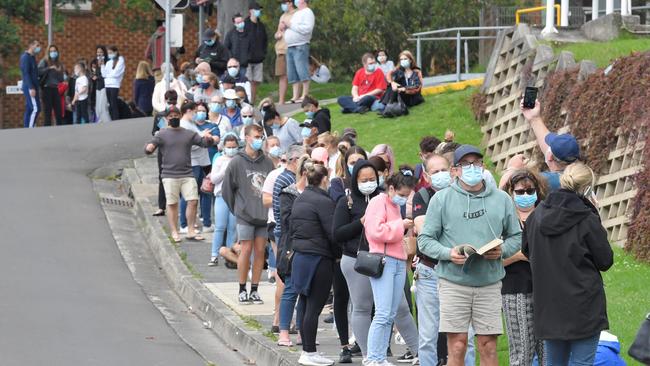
29	72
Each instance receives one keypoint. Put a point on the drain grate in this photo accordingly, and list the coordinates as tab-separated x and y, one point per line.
114	201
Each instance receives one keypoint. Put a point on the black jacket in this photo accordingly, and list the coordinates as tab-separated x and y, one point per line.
310	226
285	247
216	55
322	119
567	247
347	227
259	41
239	45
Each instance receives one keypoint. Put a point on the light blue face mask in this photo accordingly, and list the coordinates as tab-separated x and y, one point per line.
284	7
200	116
247	121
371	67
350	169
257	13
399	200
209	42
240	26
54	54
233	71
199	78
37	50
231	104
440	180
472	175
305	132
309	114
405	63
275	152
296	2
257	144
275	126
230	151
381	180
112	56
525	200
216	107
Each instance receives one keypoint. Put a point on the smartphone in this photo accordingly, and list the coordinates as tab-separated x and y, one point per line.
530	96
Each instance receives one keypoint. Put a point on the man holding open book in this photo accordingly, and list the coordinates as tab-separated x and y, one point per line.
469	228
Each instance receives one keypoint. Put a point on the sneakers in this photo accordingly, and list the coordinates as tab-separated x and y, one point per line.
329	319
406	358
255	298
314	359
214	261
243	298
345	356
356	350
208	229
231	265
377	363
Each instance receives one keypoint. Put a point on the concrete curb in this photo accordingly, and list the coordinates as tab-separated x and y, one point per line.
225	322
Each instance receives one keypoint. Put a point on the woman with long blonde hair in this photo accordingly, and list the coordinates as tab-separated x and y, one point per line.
143	86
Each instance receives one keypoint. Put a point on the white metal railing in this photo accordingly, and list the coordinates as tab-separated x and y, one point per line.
459	38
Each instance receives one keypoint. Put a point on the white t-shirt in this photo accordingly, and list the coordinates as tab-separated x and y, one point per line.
268	187
78	86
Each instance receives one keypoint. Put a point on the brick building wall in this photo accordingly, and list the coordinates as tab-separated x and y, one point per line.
82	31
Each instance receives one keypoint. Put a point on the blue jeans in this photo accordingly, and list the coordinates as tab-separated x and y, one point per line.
581	352
298	63
350	106
224	222
288	303
32	107
271	260
428	303
387	291
205	200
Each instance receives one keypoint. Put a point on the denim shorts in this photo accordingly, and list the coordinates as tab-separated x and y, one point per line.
246	231
298	63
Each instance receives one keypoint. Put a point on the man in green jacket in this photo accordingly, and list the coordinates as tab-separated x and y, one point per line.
472	213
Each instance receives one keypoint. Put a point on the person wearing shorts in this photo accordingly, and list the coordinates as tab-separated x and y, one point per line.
470	212
242	187
175	144
297	35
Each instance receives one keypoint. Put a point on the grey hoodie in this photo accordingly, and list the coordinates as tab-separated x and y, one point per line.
242	187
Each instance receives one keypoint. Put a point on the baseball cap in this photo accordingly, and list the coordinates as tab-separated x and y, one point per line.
208	34
230	94
255	5
465	150
564	147
320	154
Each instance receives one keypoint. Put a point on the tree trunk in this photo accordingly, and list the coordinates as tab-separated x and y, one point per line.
2	90
226	9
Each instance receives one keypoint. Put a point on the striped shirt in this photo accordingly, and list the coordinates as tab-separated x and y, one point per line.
284	180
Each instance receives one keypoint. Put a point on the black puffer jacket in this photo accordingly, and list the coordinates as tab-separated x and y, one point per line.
311	224
285	247
347	226
567	247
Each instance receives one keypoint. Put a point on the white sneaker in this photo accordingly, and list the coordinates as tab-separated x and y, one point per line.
208	229
385	363
183	230
314	359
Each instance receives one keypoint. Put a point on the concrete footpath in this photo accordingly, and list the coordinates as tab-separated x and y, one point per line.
211	292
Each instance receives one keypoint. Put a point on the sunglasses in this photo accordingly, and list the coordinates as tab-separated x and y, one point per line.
528	191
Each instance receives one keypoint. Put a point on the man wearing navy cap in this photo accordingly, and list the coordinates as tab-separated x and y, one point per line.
559	150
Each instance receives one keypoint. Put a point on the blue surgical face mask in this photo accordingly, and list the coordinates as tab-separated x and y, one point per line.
240	26
371	67
37	50
440	180
305	132
233	71
275	151
257	13
256	144
199	78
204	85
200	116
472	175
209	42
350	169
247	121
284	7
112	56
230	151
367	188
216	107
525	200
399	200
231	104
309	114
405	63
275	126
381	180
54	54
296	2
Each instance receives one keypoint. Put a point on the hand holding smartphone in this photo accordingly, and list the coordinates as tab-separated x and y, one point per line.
530	96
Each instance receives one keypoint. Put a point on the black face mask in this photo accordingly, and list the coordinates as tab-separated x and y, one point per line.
175	122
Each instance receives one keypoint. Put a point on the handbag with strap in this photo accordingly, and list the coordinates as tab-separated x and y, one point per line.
640	349
206	185
369	264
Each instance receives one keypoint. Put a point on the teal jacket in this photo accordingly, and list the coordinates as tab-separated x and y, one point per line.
456	217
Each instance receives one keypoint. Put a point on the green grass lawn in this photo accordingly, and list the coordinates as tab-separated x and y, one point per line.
628	297
602	53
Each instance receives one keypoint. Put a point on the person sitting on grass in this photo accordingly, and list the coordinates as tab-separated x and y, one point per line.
368	87
321	116
405	80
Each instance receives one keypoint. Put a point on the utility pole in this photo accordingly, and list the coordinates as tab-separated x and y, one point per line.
168	25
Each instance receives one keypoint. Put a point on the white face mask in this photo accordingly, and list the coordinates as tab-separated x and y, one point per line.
366	188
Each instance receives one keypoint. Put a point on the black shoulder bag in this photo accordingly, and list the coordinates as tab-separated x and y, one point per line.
369	264
640	349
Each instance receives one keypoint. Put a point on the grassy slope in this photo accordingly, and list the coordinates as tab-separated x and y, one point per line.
603	52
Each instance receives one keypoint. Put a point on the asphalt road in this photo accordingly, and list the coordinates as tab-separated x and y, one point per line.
66	295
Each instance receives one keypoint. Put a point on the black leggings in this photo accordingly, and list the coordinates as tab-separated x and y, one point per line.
113	108
314	303
162	199
341	300
52	101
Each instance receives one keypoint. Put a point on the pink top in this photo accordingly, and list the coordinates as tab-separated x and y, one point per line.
383	224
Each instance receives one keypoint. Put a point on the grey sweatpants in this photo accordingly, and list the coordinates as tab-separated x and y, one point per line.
361	296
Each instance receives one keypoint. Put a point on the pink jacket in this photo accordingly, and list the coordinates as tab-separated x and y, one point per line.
384	225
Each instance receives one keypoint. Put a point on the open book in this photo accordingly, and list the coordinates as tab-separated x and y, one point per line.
472	253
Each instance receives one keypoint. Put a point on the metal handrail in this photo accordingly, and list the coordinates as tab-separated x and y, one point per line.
535	9
419	37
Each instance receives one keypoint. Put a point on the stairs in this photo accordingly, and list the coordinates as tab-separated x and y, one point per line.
632	24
